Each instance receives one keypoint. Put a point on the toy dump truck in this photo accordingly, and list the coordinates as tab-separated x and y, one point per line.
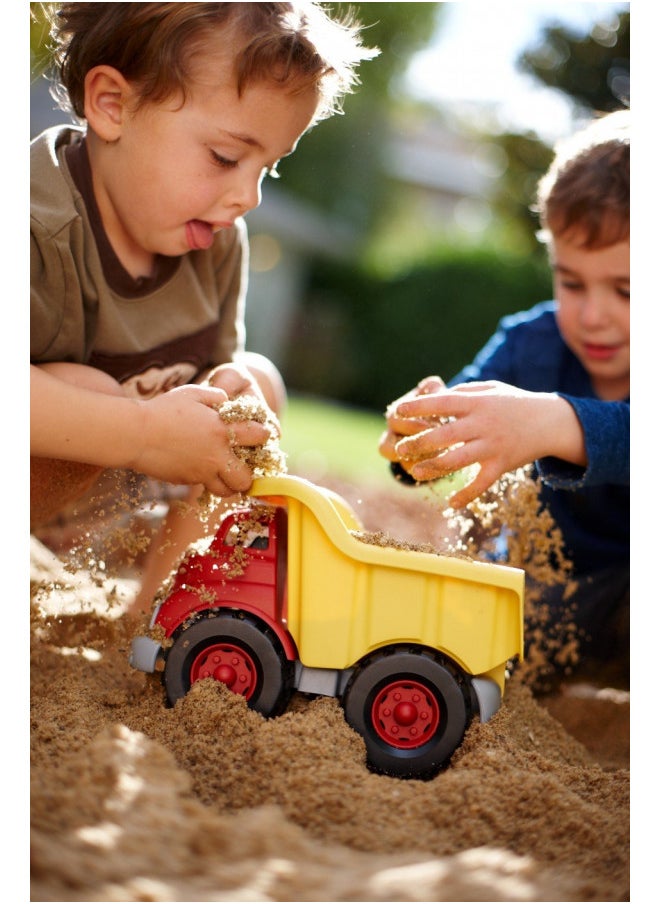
287	596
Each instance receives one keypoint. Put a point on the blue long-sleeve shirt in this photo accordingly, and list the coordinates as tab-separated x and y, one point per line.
590	505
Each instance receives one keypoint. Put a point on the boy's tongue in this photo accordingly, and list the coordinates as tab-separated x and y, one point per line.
199	234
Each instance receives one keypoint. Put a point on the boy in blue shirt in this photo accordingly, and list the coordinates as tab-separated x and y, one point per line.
552	386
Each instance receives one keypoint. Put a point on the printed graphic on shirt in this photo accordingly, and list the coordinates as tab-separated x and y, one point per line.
157	380
147	374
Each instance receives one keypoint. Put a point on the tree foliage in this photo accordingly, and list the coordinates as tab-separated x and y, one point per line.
528	158
593	69
366	339
40	57
336	167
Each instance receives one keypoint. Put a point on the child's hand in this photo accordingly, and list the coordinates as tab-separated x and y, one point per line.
235	380
399	427
186	441
497	426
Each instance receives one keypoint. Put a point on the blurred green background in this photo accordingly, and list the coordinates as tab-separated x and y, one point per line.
401	231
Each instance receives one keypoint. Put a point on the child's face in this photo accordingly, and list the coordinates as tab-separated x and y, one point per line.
592	288
178	174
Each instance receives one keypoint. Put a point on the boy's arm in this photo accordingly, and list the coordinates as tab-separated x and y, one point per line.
74	423
177	436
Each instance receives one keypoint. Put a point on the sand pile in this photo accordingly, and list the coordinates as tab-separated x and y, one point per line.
208	801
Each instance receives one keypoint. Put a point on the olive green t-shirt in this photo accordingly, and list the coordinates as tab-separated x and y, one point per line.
151	334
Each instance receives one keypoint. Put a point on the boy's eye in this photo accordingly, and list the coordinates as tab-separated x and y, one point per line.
219	160
571	284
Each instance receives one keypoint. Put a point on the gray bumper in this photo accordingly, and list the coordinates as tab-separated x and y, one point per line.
488	697
144	654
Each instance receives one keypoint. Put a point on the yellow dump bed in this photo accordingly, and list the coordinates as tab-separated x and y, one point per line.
359	596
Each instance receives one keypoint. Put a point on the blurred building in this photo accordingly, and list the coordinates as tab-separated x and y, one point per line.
448	178
285	234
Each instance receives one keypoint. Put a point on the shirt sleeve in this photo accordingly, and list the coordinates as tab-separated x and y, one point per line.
493	362
525	351
606	427
58	326
44	320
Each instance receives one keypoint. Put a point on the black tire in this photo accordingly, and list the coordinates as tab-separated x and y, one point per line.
241	646
414	734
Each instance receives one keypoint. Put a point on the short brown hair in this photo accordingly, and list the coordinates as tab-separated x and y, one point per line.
152	45
586	192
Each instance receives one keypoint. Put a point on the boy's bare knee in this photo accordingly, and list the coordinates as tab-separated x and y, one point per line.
56	484
268	377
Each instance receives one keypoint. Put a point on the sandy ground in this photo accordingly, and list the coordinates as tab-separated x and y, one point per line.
208	801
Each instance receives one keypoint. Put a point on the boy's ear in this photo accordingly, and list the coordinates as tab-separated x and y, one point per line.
107	94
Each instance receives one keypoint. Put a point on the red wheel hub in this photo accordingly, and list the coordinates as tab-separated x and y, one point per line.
405	714
228	663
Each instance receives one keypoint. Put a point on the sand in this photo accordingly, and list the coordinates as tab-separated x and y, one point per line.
208	801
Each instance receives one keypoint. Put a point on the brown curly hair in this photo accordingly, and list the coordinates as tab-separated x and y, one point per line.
585	195
153	45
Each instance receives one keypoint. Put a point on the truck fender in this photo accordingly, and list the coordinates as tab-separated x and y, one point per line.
144	654
488	697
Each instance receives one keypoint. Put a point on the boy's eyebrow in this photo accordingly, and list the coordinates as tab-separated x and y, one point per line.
254	143
246	139
561	268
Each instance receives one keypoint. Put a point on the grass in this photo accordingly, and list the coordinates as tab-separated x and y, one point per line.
322	437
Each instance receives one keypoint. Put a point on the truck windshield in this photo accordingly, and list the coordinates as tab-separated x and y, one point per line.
254	538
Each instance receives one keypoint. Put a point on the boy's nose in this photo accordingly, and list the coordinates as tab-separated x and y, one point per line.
593	312
245	193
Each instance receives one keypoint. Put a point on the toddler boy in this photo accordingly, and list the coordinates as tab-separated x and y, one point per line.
138	245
